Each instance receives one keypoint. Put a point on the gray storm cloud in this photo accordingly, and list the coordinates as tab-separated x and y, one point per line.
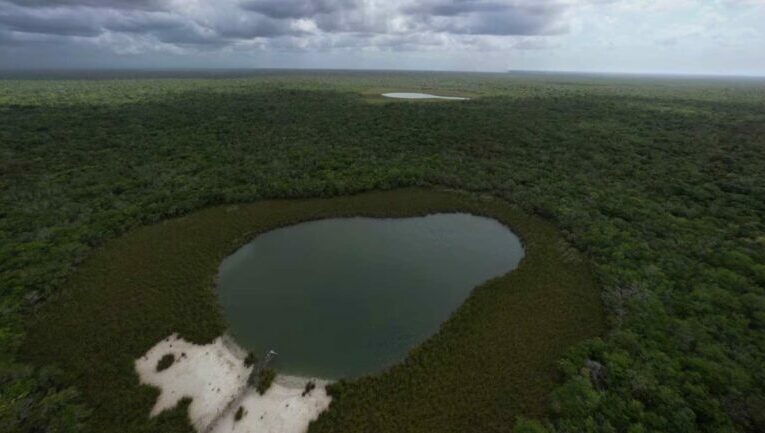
120	4
662	36
297	24
298	8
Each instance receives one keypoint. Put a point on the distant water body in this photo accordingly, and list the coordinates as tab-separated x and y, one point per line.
339	298
405	95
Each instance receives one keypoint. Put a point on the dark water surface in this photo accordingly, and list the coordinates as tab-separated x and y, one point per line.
345	297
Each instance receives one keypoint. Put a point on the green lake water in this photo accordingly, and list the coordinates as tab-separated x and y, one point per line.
339	298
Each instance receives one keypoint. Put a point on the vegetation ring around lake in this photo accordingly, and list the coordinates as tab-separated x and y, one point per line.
493	360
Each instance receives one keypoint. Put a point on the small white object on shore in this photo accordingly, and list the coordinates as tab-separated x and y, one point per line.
215	378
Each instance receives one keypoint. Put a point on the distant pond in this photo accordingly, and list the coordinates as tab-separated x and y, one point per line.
408	95
339	298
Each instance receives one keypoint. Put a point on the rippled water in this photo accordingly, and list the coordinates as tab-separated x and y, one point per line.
345	297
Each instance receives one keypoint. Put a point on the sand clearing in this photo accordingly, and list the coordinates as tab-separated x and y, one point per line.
214	377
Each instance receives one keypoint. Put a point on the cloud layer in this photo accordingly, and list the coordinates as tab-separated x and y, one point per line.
184	25
468	34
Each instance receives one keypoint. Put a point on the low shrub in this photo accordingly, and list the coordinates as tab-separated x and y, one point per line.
165	362
309	387
266	377
250	360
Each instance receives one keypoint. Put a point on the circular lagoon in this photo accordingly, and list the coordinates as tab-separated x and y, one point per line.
339	298
407	95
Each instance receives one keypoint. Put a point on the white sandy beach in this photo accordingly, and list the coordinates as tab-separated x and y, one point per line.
214	377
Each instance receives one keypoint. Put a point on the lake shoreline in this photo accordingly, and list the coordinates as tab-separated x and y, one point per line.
348	297
214	376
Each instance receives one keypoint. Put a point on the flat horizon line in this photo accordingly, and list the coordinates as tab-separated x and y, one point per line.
202	70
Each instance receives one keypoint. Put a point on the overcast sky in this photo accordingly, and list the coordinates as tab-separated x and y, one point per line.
656	36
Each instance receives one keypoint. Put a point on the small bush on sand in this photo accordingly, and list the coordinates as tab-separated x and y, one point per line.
165	362
265	378
239	414
308	388
250	360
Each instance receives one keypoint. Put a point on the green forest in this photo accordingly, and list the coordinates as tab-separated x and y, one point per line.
658	184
